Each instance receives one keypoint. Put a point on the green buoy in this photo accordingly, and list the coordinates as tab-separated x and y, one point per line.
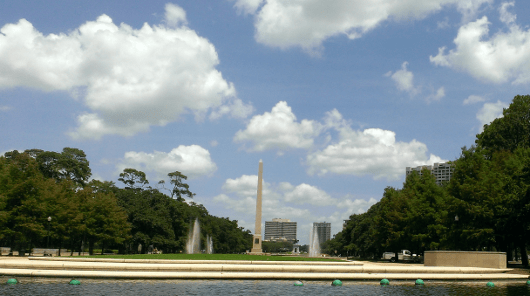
384	282
490	284
12	282
336	283
298	283
419	282
74	282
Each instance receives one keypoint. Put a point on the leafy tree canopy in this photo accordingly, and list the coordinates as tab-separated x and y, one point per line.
510	131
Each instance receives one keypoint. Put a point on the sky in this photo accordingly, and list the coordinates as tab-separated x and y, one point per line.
336	98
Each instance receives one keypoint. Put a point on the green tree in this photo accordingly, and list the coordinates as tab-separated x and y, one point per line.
510	131
391	221
277	247
29	198
103	220
70	164
179	187
426	211
483	199
149	213
133	179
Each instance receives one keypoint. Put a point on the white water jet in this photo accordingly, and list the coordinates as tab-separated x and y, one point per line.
314	246
193	245
209	245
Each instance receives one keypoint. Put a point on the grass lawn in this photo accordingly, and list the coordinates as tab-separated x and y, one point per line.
214	257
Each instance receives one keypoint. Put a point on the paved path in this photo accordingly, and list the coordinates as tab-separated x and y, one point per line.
75	267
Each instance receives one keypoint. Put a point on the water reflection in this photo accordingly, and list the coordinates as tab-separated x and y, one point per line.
31	286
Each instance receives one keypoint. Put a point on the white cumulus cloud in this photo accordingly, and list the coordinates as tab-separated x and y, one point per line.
404	79
357	206
287	23
130	79
506	16
472	99
498	58
489	112
175	15
305	193
192	161
246	186
247	6
279	130
245	189
438	95
371	151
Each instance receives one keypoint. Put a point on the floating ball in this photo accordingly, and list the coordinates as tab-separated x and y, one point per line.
74	282
419	282
336	283
12	282
298	283
384	282
490	284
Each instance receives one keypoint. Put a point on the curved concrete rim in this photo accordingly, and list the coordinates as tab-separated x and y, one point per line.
255	276
169	261
67	267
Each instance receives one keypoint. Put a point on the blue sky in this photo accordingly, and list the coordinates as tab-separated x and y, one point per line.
335	99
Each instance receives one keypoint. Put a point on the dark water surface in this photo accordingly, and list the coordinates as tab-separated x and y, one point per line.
251	287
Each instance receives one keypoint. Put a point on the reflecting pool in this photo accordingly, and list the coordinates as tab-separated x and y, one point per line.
34	286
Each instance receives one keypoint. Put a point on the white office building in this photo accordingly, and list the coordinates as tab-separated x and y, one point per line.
280	230
441	171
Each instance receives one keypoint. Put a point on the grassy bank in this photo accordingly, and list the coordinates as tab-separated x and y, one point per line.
213	257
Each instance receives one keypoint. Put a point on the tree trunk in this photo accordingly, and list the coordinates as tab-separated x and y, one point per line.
524	254
509	255
397	256
91	247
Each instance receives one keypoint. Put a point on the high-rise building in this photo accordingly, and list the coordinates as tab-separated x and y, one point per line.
441	171
323	230
280	230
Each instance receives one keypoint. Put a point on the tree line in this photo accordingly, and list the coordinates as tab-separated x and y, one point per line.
47	199
485	205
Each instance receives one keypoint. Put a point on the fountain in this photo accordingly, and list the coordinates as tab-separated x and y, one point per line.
209	245
193	245
314	246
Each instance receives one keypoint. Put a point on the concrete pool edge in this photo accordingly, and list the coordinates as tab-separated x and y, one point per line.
64	267
255	276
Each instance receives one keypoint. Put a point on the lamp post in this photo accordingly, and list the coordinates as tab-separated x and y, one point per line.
48	236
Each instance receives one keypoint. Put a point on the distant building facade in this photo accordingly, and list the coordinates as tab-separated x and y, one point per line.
442	171
280	230
323	230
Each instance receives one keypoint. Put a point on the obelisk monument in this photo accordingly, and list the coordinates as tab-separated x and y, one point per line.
256	243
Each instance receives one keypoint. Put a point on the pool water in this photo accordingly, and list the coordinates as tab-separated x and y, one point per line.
32	286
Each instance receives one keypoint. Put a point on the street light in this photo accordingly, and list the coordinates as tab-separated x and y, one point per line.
48	239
